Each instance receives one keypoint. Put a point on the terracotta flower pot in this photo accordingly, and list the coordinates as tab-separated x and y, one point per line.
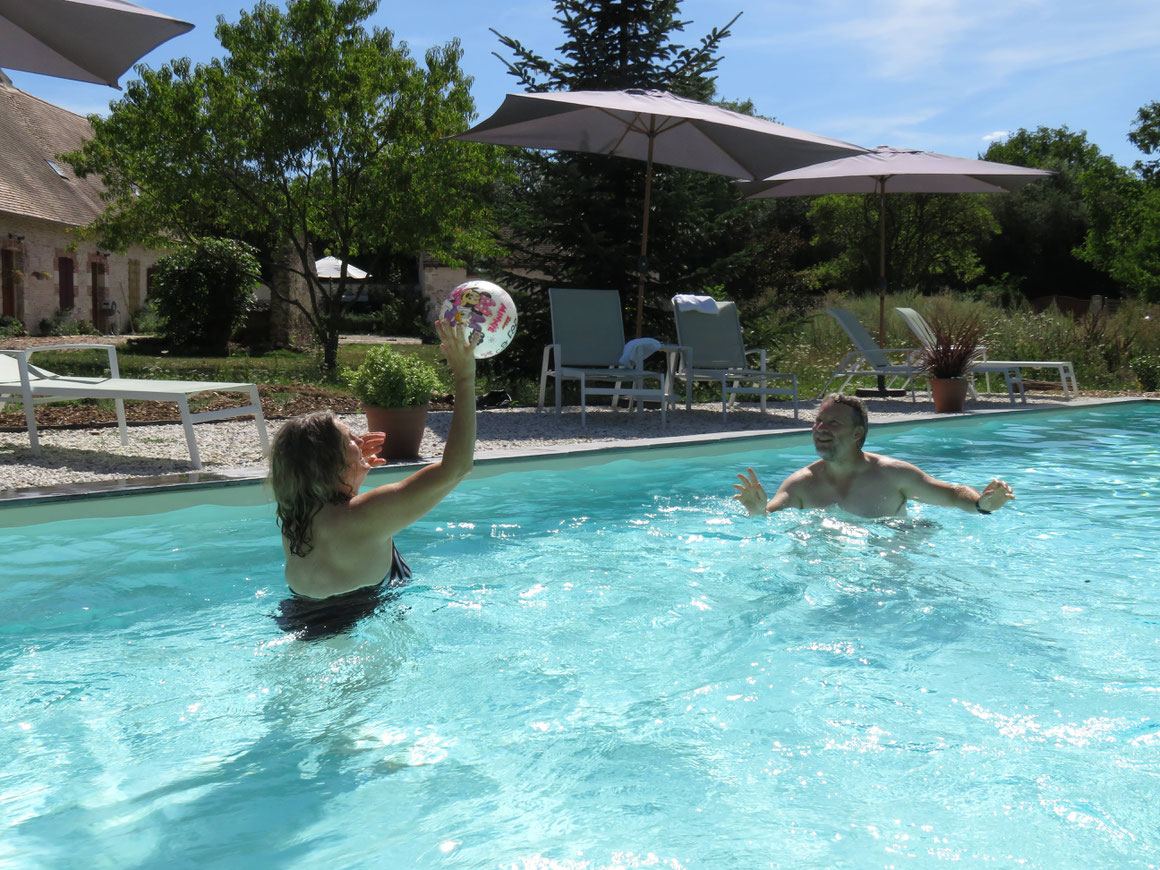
949	394
403	427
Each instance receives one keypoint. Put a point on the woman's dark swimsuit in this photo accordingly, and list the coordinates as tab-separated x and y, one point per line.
314	618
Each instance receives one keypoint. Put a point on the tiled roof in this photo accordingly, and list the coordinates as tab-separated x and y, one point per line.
32	132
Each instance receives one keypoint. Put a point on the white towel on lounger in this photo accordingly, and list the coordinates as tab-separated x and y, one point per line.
689	302
650	345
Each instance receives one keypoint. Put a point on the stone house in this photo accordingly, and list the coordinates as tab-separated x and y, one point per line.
43	269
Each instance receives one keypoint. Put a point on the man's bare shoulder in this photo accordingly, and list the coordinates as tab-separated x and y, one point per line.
894	468
803	476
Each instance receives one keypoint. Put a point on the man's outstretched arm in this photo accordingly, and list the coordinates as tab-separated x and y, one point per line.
920	486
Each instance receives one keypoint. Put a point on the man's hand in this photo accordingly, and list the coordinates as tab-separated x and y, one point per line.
996	494
751	493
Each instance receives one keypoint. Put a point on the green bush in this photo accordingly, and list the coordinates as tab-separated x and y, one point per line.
145	320
1147	371
62	323
389	379
201	292
10	327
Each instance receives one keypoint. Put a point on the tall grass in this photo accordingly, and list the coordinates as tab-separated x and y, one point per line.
1101	346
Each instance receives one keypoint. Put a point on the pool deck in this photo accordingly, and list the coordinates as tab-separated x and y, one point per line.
79	463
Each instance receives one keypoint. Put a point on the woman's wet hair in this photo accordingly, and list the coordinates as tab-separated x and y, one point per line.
307	461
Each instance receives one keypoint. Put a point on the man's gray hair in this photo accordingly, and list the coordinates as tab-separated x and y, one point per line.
861	415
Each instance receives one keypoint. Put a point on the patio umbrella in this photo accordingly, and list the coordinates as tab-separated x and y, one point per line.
331	267
895	170
656	127
87	40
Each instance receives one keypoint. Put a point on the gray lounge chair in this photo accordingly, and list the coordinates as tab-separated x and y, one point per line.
717	353
871	360
587	344
1012	370
29	385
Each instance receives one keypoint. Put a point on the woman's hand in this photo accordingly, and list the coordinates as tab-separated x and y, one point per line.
457	348
370	444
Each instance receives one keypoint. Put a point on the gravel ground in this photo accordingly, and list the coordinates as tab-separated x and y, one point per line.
72	456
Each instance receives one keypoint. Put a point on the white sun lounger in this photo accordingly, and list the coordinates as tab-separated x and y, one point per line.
21	382
984	366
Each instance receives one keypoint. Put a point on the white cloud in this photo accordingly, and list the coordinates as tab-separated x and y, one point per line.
959	43
1069	48
998	134
906	38
901	130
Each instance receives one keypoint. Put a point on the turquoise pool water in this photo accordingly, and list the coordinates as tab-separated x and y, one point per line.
610	667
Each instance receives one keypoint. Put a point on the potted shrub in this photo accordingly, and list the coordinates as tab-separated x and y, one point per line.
947	360
395	390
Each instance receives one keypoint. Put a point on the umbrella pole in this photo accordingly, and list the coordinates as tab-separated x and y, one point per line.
881	391
882	262
642	263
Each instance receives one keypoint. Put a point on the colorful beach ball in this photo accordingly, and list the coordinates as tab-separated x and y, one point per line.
487	311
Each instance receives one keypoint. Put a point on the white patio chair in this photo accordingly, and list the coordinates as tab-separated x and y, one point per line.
29	385
1012	370
587	344
871	360
717	353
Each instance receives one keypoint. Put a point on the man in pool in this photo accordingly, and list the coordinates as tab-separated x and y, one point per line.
866	484
338	542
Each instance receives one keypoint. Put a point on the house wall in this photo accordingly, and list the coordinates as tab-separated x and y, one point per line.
438	282
40	248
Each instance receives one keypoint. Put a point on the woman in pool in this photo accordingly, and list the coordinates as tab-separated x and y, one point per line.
338	541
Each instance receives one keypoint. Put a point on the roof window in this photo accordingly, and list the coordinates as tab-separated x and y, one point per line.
55	168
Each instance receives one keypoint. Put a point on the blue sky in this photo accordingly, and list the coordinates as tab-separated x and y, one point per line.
941	75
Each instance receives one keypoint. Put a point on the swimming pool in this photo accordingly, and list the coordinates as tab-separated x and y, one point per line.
608	666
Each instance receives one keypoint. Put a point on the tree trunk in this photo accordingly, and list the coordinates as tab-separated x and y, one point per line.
287	323
330	348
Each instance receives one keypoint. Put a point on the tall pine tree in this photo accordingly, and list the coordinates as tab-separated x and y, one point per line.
576	218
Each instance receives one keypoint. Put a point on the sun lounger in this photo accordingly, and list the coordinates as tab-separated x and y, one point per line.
871	360
21	382
717	353
1067	381
588	346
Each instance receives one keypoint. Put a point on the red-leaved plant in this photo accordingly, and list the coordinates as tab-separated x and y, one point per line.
956	345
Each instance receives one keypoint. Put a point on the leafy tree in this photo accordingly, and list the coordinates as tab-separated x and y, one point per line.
202	290
576	218
1044	223
1122	234
1124	237
932	240
310	129
1145	135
